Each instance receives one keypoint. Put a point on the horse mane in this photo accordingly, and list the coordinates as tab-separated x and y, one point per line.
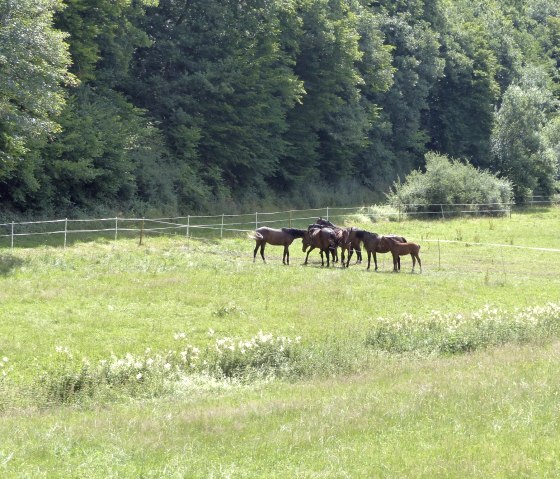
361	234
295	232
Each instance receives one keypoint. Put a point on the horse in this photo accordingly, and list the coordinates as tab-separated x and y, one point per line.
353	243
399	249
345	238
277	237
322	238
373	246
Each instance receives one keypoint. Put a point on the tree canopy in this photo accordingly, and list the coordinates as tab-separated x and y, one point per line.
173	106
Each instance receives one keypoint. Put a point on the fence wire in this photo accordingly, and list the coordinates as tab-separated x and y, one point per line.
59	231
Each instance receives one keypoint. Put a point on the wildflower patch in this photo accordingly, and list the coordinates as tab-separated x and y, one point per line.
446	333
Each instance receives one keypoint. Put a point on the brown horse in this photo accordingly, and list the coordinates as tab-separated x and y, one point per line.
373	245
322	238
345	239
399	249
277	237
353	244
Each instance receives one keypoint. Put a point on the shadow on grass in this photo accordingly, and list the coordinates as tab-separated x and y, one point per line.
8	263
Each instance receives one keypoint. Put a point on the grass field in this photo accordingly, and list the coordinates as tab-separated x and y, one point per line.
356	373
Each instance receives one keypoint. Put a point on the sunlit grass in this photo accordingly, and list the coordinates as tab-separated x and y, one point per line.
490	414
379	413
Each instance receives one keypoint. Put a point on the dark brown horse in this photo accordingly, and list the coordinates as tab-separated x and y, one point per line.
277	237
399	249
373	245
322	238
353	244
345	239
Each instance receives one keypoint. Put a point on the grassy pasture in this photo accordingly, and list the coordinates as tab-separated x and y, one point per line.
379	414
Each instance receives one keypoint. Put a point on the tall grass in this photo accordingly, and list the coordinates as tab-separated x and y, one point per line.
76	324
184	358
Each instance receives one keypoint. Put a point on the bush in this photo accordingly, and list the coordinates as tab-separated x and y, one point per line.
447	181
441	333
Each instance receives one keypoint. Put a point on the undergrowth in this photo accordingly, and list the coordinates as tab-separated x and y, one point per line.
67	379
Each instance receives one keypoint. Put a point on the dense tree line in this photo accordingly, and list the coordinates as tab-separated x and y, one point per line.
175	105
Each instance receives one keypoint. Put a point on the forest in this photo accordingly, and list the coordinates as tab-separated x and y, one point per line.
175	106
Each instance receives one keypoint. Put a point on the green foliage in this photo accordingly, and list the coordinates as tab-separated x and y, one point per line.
207	105
522	142
33	68
448	181
442	333
107	150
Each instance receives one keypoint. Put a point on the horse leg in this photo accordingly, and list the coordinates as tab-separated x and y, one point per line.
308	251
327	255
350	252
395	262
262	250
419	262
374	260
369	259
358	255
255	252
413	261
342	256
286	256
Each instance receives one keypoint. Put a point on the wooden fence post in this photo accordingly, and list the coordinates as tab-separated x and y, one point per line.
141	232
12	242
65	231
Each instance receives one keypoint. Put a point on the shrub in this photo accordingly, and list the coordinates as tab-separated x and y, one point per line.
448	181
441	333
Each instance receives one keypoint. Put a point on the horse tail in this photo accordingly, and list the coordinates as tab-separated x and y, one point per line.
255	236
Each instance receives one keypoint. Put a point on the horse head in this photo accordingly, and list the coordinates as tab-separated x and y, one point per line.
306	240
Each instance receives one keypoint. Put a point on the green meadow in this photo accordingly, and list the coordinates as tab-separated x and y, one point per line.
184	358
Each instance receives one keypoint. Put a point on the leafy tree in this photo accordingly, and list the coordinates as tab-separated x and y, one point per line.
517	140
329	126
103	35
33	68
399	137
219	82
462	104
92	161
102	154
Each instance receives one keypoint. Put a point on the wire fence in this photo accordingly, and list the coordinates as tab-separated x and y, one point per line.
61	232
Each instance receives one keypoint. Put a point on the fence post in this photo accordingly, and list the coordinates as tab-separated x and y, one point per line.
65	230
188	224
399	212
116	227
12	242
141	232
290	219
256	220
327	213
222	228
439	255
442	215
